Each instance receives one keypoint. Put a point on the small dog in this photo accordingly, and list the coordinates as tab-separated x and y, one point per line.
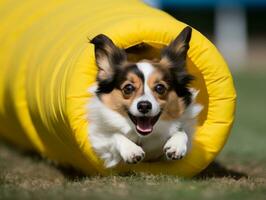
144	110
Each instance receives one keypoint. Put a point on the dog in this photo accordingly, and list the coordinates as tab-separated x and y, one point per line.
143	111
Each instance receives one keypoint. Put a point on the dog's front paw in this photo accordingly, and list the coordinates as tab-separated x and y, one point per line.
175	148
133	154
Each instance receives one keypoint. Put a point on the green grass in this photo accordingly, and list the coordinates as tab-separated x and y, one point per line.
239	172
247	141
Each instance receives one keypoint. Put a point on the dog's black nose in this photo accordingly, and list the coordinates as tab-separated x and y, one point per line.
144	106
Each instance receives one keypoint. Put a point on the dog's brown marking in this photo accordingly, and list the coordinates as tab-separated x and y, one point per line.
171	105
136	82
120	103
165	63
157	78
115	101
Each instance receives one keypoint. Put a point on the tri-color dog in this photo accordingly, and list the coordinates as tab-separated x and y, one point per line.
144	110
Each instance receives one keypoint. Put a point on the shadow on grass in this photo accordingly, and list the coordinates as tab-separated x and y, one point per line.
11	153
218	170
214	170
70	173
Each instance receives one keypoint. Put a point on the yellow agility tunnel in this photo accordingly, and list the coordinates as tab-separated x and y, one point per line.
47	66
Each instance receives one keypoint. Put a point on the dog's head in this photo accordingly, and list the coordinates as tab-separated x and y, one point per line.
147	90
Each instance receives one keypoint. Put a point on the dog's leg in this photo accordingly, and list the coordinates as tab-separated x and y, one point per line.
176	147
129	151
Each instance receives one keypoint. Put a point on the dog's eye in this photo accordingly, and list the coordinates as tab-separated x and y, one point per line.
128	89
160	89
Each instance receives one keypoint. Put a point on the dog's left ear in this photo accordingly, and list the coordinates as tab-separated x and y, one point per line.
173	58
108	56
176	52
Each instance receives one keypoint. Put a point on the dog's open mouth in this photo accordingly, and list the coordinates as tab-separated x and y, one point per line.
144	125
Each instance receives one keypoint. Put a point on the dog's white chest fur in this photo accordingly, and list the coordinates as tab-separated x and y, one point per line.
114	138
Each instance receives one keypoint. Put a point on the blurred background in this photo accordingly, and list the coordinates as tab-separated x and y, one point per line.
237	27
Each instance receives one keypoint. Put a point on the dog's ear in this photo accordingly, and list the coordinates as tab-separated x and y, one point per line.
108	56
176	52
173	58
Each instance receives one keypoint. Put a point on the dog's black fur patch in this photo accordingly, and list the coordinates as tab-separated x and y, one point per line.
104	47
119	76
176	54
180	85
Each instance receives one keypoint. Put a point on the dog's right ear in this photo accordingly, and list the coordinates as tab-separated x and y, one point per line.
108	56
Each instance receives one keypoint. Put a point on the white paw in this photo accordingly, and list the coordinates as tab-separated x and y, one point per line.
132	154
175	148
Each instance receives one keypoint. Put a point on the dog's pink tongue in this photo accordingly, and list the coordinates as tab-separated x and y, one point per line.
144	126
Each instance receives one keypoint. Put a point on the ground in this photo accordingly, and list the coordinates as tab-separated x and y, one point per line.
238	173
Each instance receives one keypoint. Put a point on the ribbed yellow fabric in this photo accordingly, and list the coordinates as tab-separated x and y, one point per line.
47	66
